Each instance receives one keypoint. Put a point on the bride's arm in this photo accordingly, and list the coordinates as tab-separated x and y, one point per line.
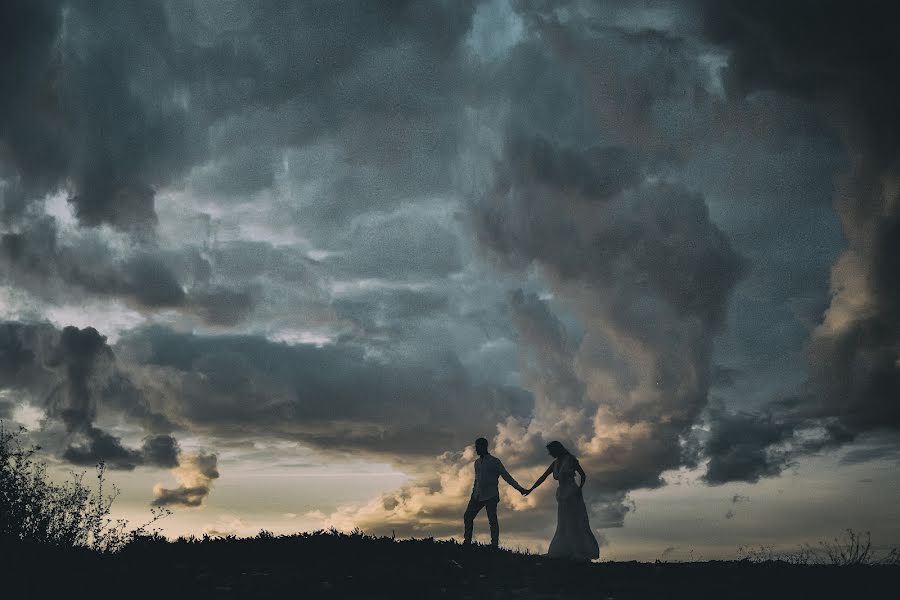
541	478
580	471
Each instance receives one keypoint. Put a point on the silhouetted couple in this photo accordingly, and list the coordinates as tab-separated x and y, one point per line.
573	537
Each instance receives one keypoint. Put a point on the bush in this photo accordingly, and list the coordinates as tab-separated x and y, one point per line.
71	515
848	549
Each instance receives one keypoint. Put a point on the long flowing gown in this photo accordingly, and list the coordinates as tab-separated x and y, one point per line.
573	537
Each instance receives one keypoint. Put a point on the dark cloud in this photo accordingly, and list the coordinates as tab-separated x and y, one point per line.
160	451
724	376
148	279
218	103
83	119
218	305
29	31
622	254
401	248
835	54
594	174
76	112
530	218
840	59
85	359
72	373
747	446
333	397
743	447
93	446
567	162
570	139
867	454
17	358
99	446
392	306
182	496
552	351
151	282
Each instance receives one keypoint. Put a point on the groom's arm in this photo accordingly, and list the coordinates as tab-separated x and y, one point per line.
509	478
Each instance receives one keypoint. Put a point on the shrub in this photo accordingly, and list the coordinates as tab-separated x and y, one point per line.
71	514
848	549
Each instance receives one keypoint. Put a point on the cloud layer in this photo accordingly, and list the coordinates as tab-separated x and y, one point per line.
381	231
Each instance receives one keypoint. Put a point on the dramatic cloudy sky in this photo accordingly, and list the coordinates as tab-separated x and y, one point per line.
279	263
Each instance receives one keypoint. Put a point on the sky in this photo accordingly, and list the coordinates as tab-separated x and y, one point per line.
279	264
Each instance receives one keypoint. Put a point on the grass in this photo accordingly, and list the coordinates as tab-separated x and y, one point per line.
330	564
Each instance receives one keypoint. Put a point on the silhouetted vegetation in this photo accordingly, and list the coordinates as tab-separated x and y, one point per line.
848	549
330	564
35	510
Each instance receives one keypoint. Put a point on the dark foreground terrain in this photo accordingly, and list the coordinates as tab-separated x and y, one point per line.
327	565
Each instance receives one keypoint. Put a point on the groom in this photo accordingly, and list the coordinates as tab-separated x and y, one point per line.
485	493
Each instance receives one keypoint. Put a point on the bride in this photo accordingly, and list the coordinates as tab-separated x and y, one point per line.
573	537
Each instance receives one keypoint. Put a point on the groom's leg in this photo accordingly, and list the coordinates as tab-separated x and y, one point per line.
469	519
491	507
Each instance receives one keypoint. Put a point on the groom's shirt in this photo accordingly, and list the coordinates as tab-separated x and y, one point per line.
488	469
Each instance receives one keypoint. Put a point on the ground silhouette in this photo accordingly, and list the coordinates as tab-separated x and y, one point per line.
334	565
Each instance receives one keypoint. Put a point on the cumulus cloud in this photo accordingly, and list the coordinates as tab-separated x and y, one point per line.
433	504
630	387
637	269
195	476
644	273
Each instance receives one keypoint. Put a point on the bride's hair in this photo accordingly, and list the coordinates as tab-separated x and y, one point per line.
556	449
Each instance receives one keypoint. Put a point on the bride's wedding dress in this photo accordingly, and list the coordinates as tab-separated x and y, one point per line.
573	537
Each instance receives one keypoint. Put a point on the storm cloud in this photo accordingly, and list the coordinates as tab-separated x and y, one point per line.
378	231
839	58
73	375
148	279
332	397
629	389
